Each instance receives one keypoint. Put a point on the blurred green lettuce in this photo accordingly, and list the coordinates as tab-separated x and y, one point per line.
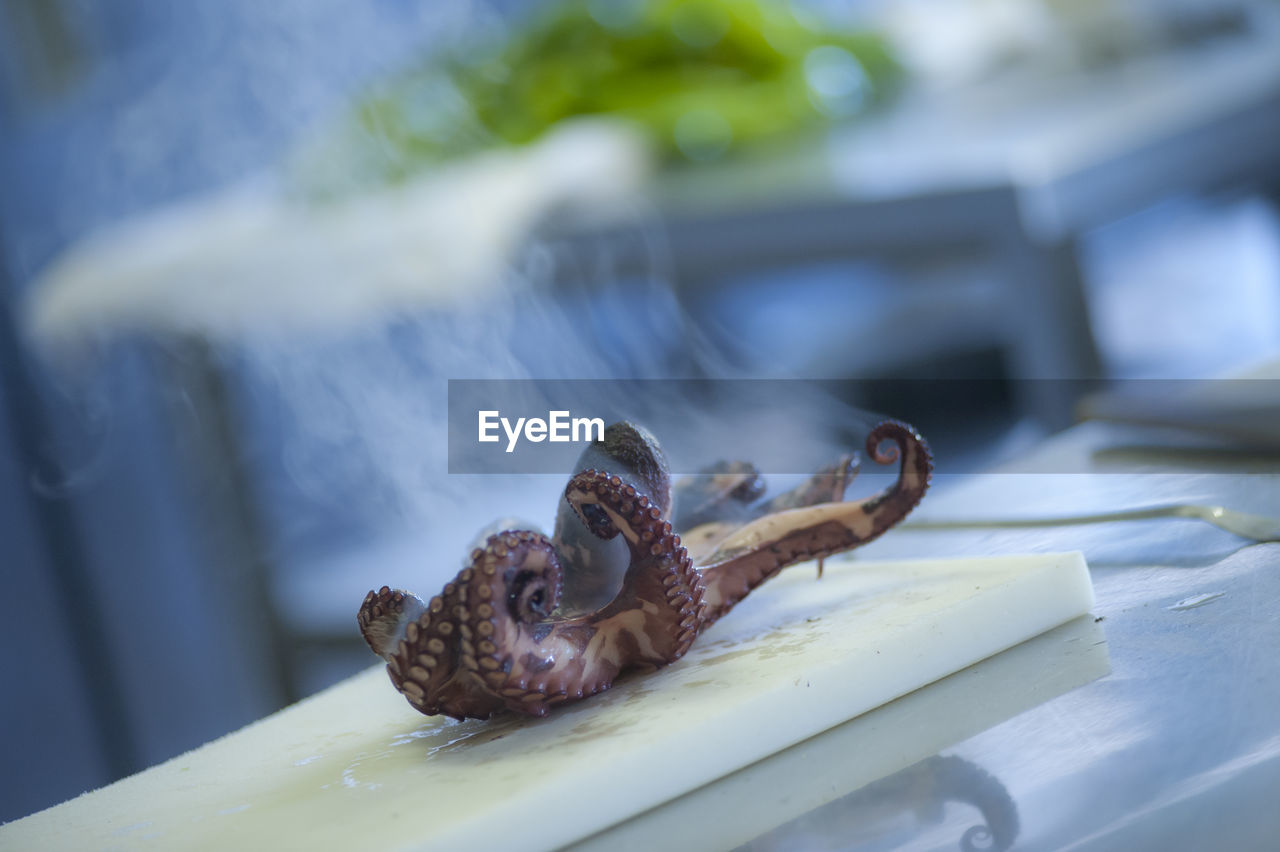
704	77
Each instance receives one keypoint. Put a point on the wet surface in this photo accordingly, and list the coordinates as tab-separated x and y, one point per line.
1177	748
796	658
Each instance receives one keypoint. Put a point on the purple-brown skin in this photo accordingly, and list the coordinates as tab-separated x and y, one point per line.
490	641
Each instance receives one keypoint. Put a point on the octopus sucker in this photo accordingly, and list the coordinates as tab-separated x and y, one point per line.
629	579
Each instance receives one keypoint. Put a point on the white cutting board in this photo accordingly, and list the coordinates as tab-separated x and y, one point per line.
758	804
357	767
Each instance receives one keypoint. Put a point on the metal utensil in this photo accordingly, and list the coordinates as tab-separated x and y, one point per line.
1243	524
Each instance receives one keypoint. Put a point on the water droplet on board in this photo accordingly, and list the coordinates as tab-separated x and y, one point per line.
1195	601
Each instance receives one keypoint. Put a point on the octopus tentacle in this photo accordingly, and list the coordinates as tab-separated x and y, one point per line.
508	639
457	656
383	616
763	548
826	486
725	492
594	567
487	642
422	666
658	613
651	622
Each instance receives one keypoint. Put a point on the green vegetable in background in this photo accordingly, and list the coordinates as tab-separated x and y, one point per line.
705	77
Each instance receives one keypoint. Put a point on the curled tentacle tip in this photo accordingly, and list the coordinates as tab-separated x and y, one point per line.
583	495
888	456
532	572
534	601
383	618
596	520
901	434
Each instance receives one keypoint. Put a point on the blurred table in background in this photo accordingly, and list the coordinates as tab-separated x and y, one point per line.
1010	174
1179	746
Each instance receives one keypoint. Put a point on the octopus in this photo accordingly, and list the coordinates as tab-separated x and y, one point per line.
533	621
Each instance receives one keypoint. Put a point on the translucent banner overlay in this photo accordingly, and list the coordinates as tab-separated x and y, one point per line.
789	426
